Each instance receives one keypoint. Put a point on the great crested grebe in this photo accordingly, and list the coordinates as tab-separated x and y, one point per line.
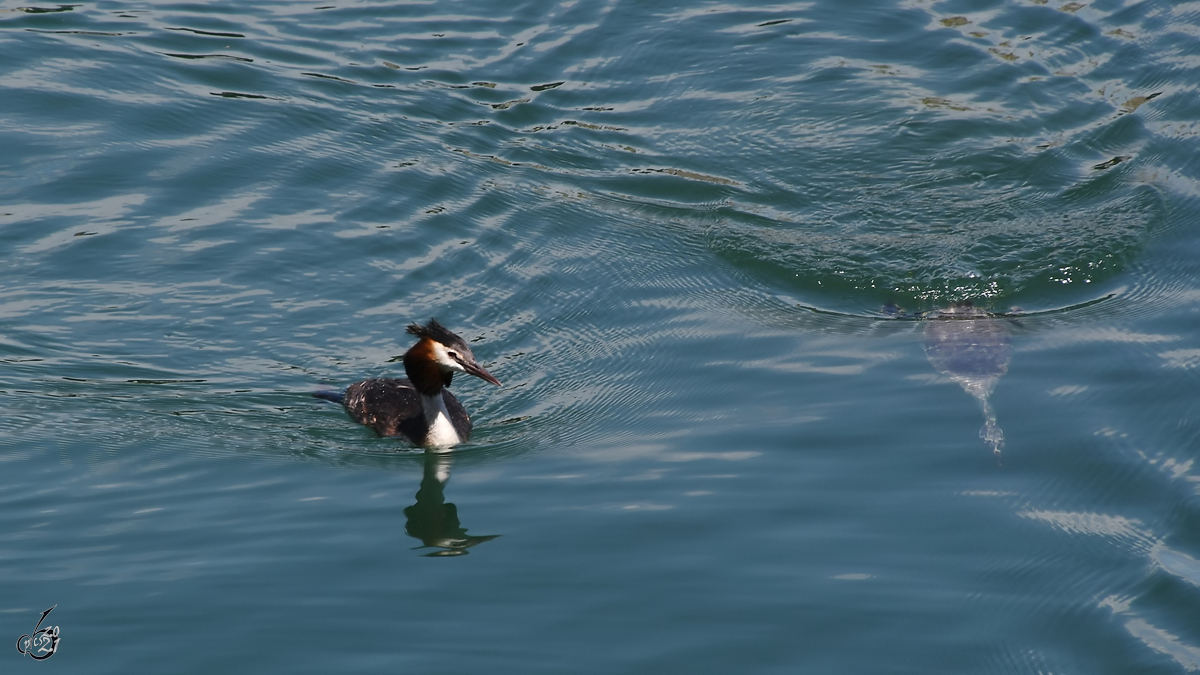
419	408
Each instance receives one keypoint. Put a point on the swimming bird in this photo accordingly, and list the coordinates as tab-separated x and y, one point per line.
419	408
972	346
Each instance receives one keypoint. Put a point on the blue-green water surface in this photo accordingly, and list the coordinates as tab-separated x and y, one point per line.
719	255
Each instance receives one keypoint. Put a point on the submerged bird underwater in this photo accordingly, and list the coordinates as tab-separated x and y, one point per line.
418	408
972	347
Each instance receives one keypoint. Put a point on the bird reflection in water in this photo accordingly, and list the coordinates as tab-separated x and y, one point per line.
972	347
431	519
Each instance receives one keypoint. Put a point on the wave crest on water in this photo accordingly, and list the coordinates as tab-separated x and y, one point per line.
930	248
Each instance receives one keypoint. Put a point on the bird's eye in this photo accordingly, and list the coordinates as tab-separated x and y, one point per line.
452	355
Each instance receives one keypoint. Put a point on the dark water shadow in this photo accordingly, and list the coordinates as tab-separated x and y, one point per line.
434	521
430	519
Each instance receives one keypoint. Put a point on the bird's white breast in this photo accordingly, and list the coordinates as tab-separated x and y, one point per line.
441	430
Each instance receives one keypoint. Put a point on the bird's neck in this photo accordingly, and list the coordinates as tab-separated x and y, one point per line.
441	431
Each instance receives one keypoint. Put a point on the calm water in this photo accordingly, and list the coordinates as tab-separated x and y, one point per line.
716	252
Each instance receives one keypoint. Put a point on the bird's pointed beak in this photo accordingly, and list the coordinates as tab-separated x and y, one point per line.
478	371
